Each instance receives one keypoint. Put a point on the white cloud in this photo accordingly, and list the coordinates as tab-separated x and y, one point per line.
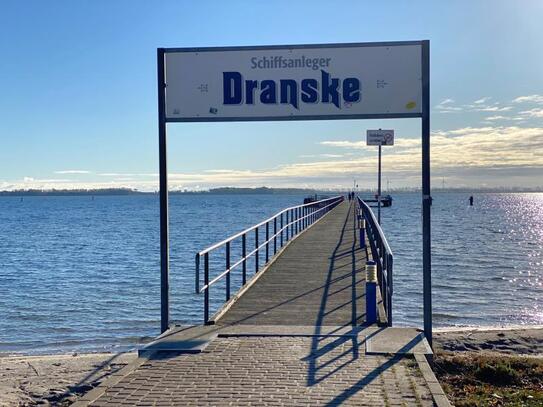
538	113
73	172
447	106
529	99
457	152
475	147
482	100
493	109
321	155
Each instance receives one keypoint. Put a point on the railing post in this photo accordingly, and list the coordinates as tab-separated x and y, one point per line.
275	235
256	248
227	274
362	232
282	229
244	255
267	242
206	291
390	263
287	225
197	279
384	288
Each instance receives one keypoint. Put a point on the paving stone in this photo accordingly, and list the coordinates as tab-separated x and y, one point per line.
275	371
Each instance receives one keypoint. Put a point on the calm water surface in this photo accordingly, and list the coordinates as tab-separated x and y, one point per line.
83	274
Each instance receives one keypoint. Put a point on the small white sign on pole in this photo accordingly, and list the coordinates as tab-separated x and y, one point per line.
380	137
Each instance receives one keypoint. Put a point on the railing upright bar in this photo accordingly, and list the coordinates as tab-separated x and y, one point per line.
197	279
287	225
244	256
256	248
282	231
227	254
267	242
206	292
389	287
275	235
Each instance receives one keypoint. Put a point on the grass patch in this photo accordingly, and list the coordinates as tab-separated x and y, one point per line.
490	380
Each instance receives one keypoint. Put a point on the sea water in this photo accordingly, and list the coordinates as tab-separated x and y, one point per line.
83	274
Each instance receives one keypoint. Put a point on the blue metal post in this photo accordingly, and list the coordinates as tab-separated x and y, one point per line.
371	292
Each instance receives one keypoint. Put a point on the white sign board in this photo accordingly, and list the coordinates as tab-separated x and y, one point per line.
380	137
344	81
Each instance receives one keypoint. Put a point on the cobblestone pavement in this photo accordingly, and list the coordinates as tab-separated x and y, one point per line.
273	371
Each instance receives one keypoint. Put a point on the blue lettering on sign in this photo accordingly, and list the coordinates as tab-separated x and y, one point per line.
237	91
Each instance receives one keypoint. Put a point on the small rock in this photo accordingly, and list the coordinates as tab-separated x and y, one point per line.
496	396
57	364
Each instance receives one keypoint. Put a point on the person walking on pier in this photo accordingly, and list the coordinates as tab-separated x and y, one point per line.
471	200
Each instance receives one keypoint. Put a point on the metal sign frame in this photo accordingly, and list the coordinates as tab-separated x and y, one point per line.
425	119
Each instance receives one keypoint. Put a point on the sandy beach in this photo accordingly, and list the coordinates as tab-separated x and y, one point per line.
60	379
55	379
514	341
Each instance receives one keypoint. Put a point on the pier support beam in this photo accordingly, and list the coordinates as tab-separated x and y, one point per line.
163	174
426	197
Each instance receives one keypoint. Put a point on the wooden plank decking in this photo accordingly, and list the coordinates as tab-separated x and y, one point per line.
318	280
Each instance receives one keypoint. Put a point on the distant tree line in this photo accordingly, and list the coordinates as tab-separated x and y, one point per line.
246	191
71	192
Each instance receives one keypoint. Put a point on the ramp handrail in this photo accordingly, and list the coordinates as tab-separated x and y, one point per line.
382	255
286	225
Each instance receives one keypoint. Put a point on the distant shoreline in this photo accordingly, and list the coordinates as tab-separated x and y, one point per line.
246	191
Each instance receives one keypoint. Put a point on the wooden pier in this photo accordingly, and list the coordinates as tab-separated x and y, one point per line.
318	280
295	334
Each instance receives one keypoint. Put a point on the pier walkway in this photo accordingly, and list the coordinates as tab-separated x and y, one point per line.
295	335
318	280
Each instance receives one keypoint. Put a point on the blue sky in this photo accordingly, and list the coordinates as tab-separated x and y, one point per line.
78	82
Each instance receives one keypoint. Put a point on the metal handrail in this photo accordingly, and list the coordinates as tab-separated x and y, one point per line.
243	232
298	218
382	254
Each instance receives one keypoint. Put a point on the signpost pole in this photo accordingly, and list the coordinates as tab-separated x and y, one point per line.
163	181
379	189
426	198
